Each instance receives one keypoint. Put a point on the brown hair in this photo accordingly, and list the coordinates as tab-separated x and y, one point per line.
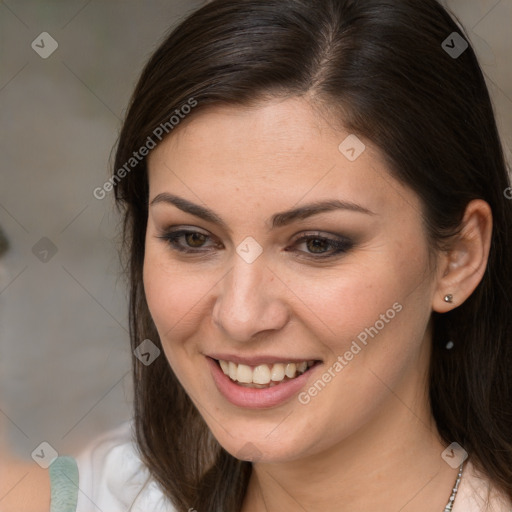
381	63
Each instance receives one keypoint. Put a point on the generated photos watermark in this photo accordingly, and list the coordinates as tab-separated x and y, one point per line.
455	45
343	360
454	455
159	133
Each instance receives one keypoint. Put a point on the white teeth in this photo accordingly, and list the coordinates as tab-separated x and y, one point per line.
277	372
244	374
261	374
290	370
225	367
264	374
233	370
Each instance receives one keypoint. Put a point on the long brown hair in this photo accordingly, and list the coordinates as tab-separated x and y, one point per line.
381	65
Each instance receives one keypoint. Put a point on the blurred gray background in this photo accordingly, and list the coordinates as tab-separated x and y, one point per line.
64	348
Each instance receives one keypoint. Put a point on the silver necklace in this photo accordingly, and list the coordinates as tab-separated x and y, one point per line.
449	506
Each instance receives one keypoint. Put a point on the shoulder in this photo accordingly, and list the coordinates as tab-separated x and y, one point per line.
113	477
476	494
24	487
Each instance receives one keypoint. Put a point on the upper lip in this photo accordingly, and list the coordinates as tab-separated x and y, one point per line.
257	360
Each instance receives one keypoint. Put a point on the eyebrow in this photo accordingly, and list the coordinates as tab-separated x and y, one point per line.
278	220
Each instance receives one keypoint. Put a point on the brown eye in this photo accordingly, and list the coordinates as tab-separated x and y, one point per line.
187	241
317	245
194	239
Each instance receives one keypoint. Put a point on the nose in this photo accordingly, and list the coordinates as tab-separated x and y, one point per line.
250	301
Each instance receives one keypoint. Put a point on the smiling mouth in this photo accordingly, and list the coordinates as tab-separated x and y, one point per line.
264	375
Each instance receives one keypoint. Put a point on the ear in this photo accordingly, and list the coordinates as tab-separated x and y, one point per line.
462	264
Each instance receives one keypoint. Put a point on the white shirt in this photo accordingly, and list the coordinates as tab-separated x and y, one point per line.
114	479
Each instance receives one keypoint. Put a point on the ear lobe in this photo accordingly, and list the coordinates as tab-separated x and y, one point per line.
463	263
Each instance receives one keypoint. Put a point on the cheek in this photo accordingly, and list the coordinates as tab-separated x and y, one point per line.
372	359
363	296
176	295
376	317
372	325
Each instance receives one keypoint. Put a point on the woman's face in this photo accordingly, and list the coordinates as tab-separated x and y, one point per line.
318	335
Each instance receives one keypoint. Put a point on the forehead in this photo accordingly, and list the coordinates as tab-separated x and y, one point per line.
289	128
280	151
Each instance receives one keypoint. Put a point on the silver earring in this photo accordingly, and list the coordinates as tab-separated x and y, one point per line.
448	298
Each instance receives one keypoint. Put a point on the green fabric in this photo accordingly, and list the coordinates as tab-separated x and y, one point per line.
64	484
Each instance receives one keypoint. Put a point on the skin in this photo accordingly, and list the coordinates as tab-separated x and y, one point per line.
370	428
24	486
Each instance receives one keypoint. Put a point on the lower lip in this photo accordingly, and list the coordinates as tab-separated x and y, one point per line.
256	398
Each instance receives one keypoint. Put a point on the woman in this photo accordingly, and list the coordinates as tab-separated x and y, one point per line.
317	239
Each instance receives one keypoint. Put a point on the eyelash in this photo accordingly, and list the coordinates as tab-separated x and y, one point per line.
340	245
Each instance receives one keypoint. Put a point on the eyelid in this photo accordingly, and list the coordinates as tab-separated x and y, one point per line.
321	234
341	244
